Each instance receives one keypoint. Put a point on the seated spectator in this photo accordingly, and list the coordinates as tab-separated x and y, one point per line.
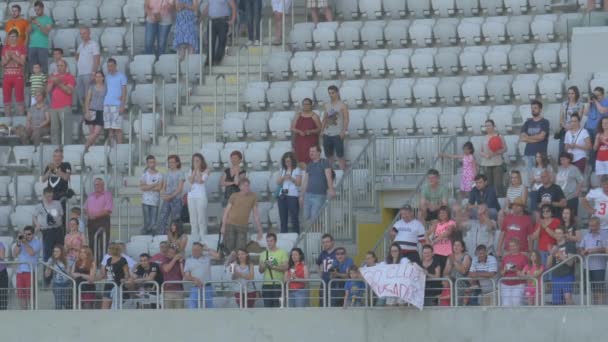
298	291
339	272
433	196
432	269
38	121
58	272
515	225
594	242
84	272
550	193
354	288
410	232
570	180
596	202
534	268
541	163
159	257
562	278
569	223
512	290
173	273
545	232
371	259
441	232
273	264
458	265
482	193
243	273
516	189
176	237
483	268
198	271
146	279
115	271
76	213
395	257
73	241
481	231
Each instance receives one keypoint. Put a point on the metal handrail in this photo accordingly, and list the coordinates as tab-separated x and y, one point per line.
598	255
187	81
139	290
222	76
65	275
238	73
182	282
366	302
32	271
128	206
130	170
221	283
177	84
469	279
581	285
261	53
163	105
210	47
200	126
169	139
98	282
141	133
266	282
522	278
308	283
102	232
201	63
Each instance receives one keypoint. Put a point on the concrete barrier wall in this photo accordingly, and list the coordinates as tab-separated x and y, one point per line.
306	325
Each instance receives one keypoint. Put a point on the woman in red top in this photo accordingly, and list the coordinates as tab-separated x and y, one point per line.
298	293
305	127
512	291
544	232
13	61
601	146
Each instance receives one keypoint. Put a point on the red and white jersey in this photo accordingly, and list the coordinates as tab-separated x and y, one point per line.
599	200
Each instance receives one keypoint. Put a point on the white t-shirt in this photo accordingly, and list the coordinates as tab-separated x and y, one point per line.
85	57
292	189
577	138
408	234
198	190
151	197
600	205
199	268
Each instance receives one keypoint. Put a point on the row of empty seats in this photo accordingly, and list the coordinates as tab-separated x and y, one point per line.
429	32
473	60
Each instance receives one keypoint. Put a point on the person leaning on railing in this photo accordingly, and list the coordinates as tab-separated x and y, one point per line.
84	270
483	269
562	278
432	269
297	270
512	290
593	245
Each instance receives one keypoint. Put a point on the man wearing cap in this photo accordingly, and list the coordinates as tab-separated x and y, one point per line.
515	225
409	232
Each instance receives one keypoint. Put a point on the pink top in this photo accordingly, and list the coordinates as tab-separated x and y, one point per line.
162	7
73	243
96	203
59	98
530	270
443	246
469	170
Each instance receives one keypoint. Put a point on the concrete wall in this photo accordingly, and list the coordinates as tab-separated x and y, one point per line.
587	53
353	325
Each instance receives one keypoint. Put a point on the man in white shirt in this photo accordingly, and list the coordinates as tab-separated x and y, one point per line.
594	242
596	202
410	232
484	266
88	57
198	271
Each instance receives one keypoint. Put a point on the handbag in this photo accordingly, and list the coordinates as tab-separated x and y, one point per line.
50	220
559	135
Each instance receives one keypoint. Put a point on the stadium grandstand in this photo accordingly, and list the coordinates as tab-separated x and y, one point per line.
244	154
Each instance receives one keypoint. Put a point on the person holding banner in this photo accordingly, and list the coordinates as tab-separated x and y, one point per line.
395	257
432	270
409	233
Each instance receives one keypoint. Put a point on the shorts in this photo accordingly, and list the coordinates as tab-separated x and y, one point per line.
317	3
561	286
109	291
331	144
98	121
111	117
18	84
597	275
277	5
24	285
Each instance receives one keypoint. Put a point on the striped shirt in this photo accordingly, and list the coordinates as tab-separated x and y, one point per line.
37	82
598	240
484	267
514	192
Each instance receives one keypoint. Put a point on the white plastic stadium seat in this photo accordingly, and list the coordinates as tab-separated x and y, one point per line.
24	155
280	125
74	154
146	127
551	87
447	60
370	9
376	92
142	95
66	40
496	59
452	120
64	15
255	95
301	36
321	93
349	35
256	125
96	158
142	68
325	64
110	13
372	34
445	31
402	121
475	119
394	9
259	182
471	59
112	40
400	92
444	8
134	12
419	9
352	94
543	28
546	57
374	63
427	121
22	216
491	7
494	31
277	150
423	61
277	66
278	95
166	66
425	91
347	9
87	14
398	62
356	126
469	31
396	33
468	8
524	87
377	121
520	57
302	90
503	117
233	128
324	35
24	185
421	32
449	90
499	88
256	155
302	65
474	89
518	29
349	63
516	7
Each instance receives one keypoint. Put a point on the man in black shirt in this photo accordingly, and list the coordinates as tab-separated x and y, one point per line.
144	292
551	194
57	175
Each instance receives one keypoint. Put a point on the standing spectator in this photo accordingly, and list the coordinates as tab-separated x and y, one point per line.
76	213
433	195
395	257
335	127
325	262
27	251
88	59
482	193
13	62
222	14
600	147
38	81
570	180
596	202
186	27
481	231
572	106
58	272
38	52
441	232
541	164
98	210
289	181
297	270
318	184
458	265
535	133
545	232
243	274
197	196
277	14
150	183
38	121
339	272
483	268
172	266
61	88
569	224
115	270
159	258
550	193
48	218
432	269
57	56
84	272
594	242
469	167
57	176
577	142
171	193
159	18
253	10
515	190
410	232
176	237
512	264
3	279
18	24
235	221
562	278
492	161
273	263
115	102
232	176
354	288
596	110
534	268
73	241
93	108
315	5
305	128
515	225
198	270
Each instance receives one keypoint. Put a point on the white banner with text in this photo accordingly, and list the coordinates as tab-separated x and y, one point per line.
404	281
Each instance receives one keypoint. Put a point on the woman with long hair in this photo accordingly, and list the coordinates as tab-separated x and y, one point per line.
84	271
544	232
171	193
458	266
289	181
73	241
176	237
115	270
58	272
232	176
569	224
297	270
535	269
306	127
601	148
439	235
395	257
515	190
197	196
572	105
432	269
243	273
93	108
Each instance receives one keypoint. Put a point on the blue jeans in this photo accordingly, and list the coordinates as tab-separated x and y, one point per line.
193	299
253	10
289	206
298	298
312	206
63	295
150	215
158	33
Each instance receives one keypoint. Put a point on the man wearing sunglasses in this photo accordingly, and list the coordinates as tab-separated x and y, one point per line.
27	250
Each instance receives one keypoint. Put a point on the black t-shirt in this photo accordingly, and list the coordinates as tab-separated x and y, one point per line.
566	250
230	189
554	194
58	184
142	273
433	287
115	271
